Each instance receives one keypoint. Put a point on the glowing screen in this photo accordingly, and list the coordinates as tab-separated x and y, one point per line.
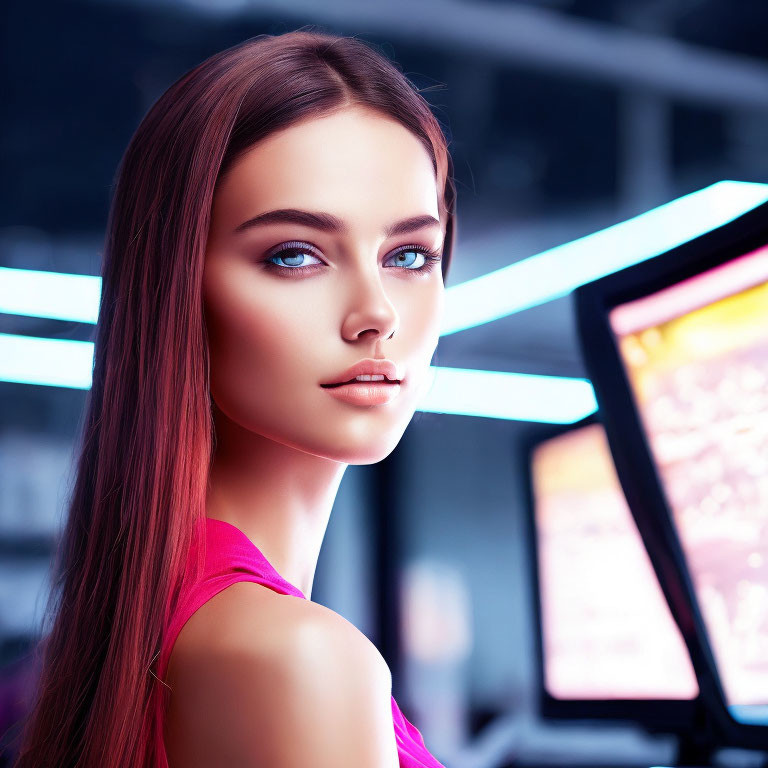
696	355
606	628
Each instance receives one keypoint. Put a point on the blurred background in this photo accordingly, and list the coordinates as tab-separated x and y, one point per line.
565	117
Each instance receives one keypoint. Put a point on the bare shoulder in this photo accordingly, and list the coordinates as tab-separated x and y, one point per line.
264	679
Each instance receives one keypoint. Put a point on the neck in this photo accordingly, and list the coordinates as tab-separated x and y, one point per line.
279	497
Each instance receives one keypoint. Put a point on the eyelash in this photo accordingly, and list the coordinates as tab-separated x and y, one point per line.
432	258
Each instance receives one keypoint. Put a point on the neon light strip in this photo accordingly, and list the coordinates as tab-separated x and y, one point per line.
558	271
56	295
516	396
51	362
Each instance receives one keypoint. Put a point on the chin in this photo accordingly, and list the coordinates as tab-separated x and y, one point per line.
369	457
360	449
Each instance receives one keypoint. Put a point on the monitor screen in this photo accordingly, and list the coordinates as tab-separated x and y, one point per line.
607	632
696	357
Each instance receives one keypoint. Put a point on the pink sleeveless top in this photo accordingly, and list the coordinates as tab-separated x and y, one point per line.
231	557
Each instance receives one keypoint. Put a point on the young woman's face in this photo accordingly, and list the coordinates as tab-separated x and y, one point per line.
281	324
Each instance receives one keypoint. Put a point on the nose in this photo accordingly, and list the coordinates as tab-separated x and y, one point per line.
371	310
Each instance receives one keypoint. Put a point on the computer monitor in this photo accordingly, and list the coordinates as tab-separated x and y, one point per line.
677	350
608	646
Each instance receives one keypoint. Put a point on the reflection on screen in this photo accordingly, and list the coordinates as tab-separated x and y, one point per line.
696	355
607	630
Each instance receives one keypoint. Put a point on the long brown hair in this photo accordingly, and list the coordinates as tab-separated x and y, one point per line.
147	432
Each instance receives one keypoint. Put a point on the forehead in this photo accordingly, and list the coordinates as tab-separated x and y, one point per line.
355	163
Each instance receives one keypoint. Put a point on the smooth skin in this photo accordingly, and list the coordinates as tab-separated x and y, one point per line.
260	678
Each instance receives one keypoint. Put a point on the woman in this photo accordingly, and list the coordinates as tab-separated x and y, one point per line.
279	217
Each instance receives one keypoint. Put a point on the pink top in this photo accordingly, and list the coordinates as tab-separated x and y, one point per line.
231	557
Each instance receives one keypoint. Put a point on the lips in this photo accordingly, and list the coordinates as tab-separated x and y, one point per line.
367	367
365	393
355	381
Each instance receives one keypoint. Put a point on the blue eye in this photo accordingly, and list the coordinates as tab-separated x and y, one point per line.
402	258
430	258
290	255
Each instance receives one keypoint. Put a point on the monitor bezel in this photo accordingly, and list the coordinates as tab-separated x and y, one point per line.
631	453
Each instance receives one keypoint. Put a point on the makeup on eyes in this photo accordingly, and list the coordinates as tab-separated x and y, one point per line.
294	247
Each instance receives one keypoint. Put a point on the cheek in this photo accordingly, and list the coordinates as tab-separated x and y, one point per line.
420	324
422	319
257	344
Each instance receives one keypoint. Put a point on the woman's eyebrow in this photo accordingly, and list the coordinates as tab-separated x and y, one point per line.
332	224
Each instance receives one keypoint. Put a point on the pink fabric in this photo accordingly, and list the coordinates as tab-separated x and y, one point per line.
231	557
